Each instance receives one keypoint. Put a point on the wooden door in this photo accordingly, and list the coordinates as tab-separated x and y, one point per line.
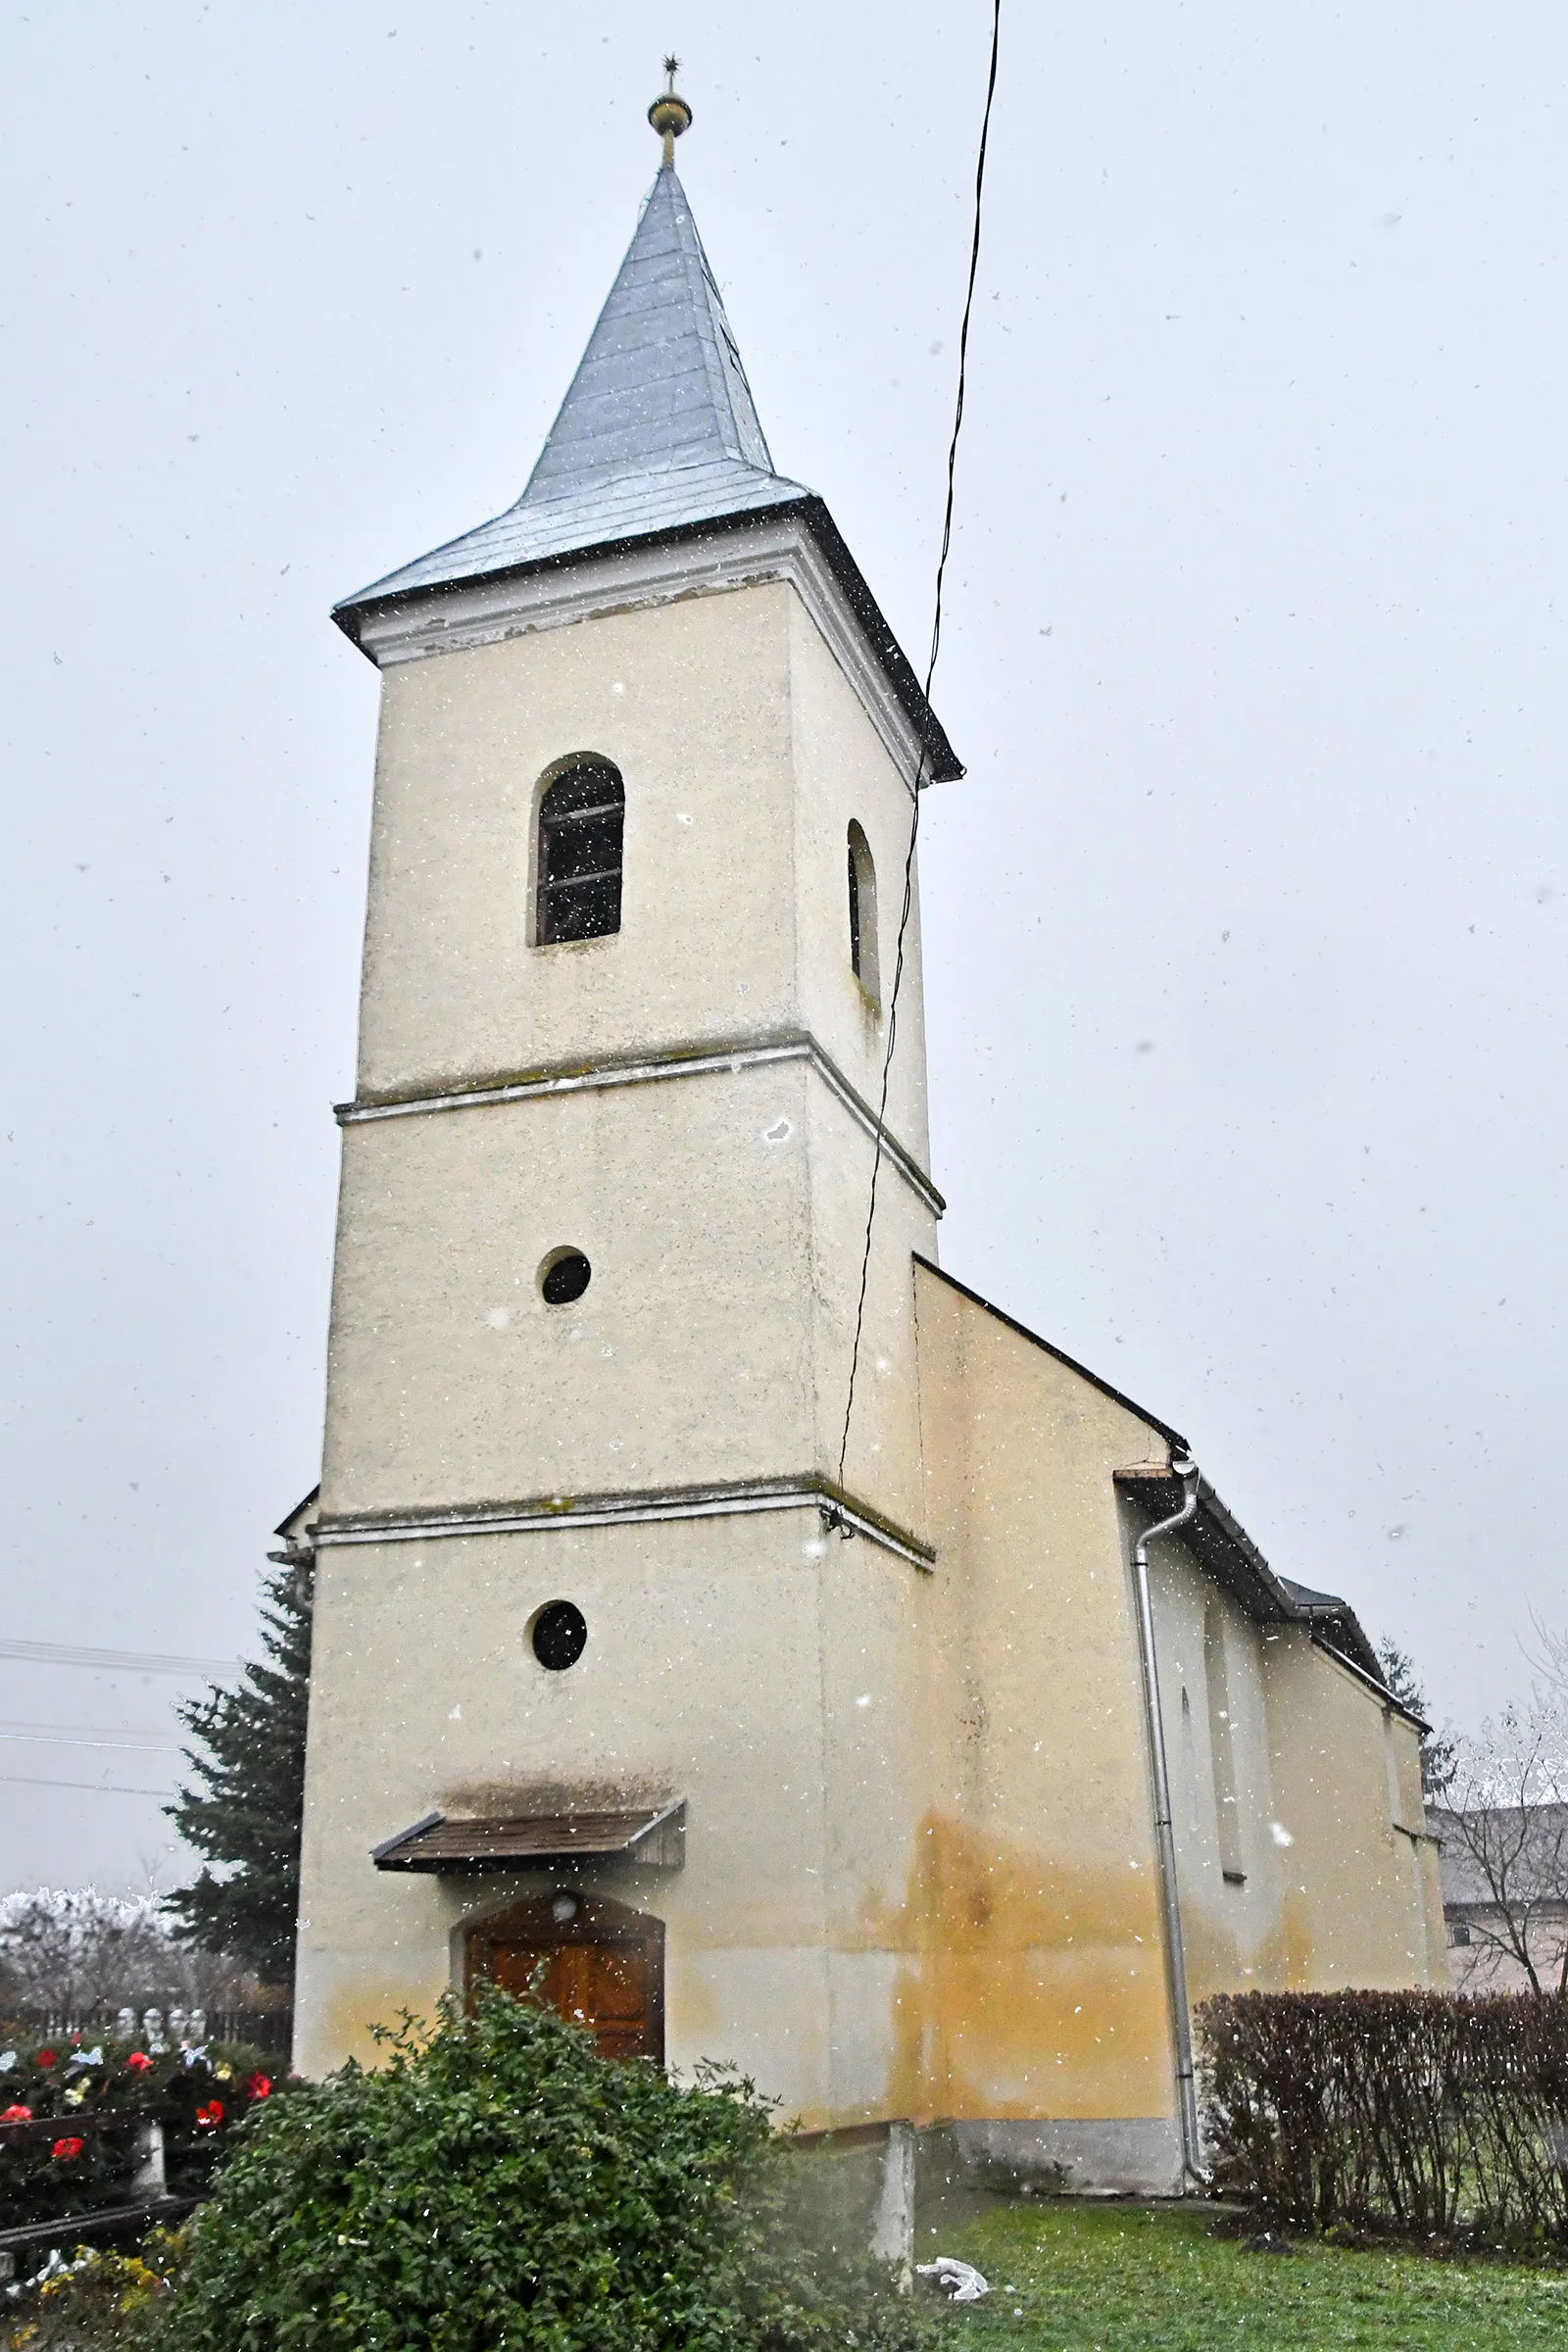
602	1968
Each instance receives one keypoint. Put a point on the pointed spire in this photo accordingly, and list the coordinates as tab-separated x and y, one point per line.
661	386
657	439
659	429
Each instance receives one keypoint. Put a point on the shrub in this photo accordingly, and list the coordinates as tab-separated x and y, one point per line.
1431	2114
500	2186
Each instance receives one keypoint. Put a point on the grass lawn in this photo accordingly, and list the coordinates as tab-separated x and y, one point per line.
1078	2278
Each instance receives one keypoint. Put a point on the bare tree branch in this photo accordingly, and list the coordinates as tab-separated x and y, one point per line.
1504	1827
74	1948
1551	1660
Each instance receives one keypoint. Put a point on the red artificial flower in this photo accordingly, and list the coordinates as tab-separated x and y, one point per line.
66	2151
209	2118
138	2062
259	2086
46	2057
17	2115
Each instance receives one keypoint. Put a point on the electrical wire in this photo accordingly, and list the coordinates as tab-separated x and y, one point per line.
153	1746
919	773
20	1780
130	1661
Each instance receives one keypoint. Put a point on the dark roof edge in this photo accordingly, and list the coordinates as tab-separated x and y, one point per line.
1379	1687
415	1829
303	1504
1225	1548
1171	1436
943	764
1222	1545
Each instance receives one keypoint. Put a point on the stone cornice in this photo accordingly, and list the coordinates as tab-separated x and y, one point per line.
698	1061
770	546
538	1514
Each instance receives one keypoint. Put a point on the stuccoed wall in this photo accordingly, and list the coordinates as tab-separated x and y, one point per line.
744	754
723	1217
692	702
1359	1900
757	1667
723	1214
842	773
920	1875
753	1665
1335	1890
1043	1994
1232	1933
687	1357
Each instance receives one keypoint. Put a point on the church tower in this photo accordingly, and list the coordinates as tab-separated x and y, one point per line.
930	1772
616	1662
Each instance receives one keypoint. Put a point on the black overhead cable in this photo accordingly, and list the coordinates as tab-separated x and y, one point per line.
21	1780
113	1661
919	773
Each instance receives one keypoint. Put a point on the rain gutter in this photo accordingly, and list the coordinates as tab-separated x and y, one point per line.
1164	1833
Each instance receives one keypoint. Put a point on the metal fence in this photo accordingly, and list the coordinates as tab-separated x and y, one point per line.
148	2024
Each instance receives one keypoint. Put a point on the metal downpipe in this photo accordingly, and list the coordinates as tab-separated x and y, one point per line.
1164	1834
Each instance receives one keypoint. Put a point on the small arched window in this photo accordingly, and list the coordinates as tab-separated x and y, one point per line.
863	916
581	817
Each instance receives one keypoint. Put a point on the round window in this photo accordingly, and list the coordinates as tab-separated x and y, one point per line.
564	1276
559	1636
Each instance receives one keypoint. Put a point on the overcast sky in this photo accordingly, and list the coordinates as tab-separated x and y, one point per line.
1244	934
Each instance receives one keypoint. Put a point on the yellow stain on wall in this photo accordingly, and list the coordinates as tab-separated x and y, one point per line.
693	2010
1302	1972
1038	1989
361	2004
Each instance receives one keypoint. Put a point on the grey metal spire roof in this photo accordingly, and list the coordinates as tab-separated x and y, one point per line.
661	388
658	428
658	437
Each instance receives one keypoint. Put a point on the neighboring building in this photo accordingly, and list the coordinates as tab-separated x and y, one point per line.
841	1772
1505	1877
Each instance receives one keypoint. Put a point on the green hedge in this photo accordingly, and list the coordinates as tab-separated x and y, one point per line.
499	2186
1432	2115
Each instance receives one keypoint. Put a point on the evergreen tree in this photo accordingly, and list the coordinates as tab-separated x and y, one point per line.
1439	1752
245	1813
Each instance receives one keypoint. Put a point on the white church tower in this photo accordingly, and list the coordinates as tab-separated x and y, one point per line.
591	1588
930	1776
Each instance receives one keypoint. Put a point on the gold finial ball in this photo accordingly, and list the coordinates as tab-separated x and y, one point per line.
669	114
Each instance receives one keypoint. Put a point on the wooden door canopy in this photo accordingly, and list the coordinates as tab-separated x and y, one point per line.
596	1963
652	1834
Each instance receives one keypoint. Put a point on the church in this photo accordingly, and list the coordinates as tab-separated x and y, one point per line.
931	1771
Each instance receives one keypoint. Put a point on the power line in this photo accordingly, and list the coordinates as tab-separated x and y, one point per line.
21	1780
919	773
42	1735
133	1661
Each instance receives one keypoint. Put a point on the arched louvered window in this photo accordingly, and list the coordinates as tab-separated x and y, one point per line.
580	821
863	916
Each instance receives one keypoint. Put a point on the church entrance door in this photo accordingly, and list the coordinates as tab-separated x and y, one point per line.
593	1961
